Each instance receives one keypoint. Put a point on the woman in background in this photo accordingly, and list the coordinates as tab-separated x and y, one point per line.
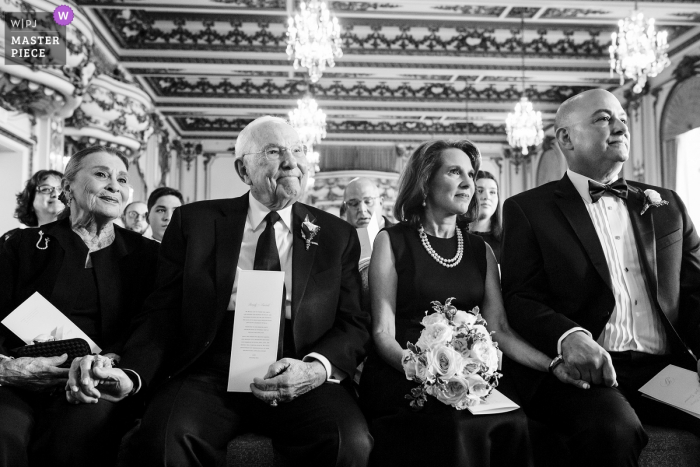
488	225
38	203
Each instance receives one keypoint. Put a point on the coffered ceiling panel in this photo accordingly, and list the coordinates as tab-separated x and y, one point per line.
410	69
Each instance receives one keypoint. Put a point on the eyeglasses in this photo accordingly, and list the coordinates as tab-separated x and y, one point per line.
355	203
136	215
275	152
48	189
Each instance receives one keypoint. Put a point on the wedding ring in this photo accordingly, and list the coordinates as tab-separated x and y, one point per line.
273	403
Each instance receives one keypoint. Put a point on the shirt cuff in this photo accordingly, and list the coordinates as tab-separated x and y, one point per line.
135	378
326	364
570	331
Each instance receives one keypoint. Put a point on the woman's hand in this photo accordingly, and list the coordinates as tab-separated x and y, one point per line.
568	374
34	373
92	371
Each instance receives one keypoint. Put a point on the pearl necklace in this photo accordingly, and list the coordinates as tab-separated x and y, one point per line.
448	263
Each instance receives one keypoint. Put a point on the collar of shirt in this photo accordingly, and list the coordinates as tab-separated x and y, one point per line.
257	212
581	184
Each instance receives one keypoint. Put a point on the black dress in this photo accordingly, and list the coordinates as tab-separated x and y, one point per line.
437	434
493	242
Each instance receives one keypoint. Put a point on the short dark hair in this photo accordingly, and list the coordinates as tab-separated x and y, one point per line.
496	222
163	191
24	212
419	171
75	163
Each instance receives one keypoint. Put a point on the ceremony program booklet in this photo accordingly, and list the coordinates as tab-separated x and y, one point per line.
37	316
676	387
495	403
256	327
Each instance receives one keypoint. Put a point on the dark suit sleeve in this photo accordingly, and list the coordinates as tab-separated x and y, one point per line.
9	262
525	284
689	301
156	327
345	344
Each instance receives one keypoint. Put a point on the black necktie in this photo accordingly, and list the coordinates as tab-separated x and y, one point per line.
267	258
617	188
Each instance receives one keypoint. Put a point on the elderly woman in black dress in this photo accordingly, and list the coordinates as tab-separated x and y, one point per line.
98	275
430	256
38	203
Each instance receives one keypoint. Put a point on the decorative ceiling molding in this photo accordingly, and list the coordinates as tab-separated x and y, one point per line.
571	12
473	10
247	89
362	6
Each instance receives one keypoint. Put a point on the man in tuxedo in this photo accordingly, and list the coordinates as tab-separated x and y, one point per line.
604	276
181	351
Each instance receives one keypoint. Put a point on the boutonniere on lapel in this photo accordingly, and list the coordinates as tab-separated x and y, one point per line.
309	230
652	200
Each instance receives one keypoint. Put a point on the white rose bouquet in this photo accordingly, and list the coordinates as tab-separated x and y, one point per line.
454	360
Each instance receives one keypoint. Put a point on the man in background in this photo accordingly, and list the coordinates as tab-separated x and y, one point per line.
135	217
361	201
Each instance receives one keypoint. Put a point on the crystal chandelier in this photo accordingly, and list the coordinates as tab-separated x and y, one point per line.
309	121
314	38
524	125
637	50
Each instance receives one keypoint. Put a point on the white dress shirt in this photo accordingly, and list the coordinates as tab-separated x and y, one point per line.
634	324
254	226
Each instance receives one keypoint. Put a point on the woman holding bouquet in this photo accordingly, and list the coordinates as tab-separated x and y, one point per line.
429	257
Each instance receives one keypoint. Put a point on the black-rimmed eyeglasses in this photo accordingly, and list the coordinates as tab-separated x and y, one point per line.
48	189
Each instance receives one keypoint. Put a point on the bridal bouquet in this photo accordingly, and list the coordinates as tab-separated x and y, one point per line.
454	360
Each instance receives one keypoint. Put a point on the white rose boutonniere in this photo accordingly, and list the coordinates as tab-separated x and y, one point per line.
309	230
653	199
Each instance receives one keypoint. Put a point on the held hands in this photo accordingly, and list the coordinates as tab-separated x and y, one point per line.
92	371
592	362
568	374
34	374
288	379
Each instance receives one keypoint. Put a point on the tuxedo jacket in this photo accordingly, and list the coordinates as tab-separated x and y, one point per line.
197	267
25	269
555	276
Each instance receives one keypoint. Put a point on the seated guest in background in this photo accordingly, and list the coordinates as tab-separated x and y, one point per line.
161	205
604	273
135	217
430	256
38	203
186	340
98	276
488	225
362	201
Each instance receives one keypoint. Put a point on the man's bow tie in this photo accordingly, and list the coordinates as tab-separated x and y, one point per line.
617	188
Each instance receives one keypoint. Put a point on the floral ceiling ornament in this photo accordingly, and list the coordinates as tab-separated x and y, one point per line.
638	51
314	38
524	125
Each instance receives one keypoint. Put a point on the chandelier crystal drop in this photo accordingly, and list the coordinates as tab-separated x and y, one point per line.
314	38
638	51
309	121
524	126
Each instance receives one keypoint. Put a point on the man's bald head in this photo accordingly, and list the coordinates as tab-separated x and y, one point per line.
359	194
591	130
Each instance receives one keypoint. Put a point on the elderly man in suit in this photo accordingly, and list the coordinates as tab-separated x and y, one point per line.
604	276
181	352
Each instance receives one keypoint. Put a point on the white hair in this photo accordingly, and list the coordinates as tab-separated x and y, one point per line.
245	137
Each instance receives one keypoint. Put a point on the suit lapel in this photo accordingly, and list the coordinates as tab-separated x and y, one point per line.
302	259
571	204
229	235
643	227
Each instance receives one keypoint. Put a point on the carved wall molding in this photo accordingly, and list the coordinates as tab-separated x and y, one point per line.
187	151
75	143
22	95
337	90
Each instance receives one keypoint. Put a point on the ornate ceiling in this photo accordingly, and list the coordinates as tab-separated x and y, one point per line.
410	68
